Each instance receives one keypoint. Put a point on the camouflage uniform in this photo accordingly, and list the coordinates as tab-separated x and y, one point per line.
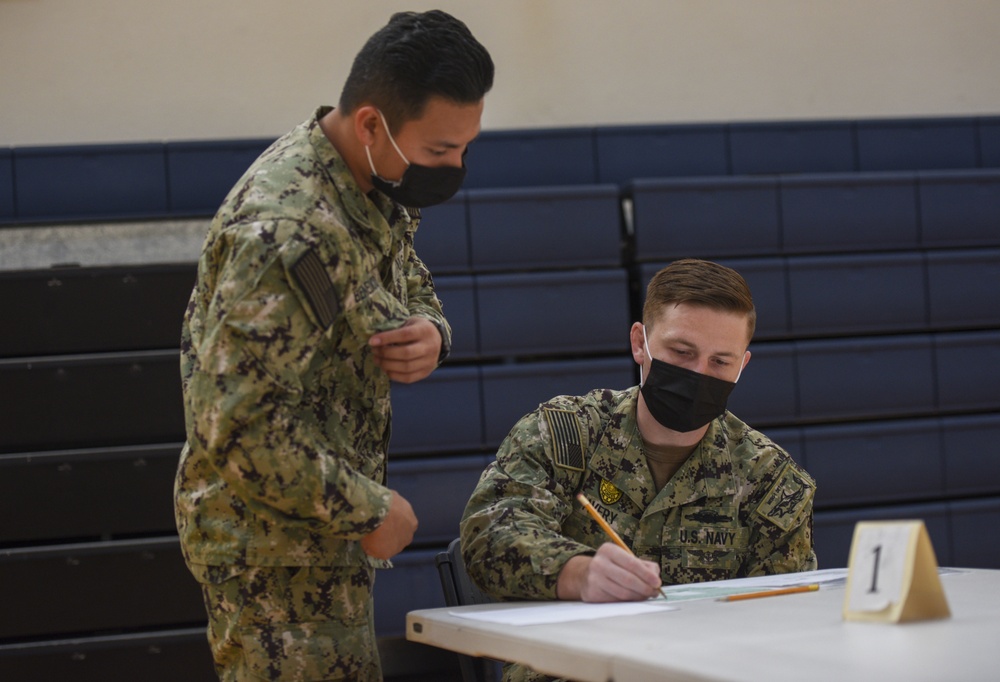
739	506
288	417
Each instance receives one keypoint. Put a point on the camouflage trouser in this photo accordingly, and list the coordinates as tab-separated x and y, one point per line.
301	624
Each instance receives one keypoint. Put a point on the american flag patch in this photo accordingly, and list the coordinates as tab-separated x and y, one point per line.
567	445
313	279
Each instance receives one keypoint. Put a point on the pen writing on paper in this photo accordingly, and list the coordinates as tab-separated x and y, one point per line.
771	593
582	499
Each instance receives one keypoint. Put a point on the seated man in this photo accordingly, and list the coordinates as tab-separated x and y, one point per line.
696	493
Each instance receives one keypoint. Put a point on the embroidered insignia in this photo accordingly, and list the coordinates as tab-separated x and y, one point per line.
313	279
708	516
786	499
609	493
567	444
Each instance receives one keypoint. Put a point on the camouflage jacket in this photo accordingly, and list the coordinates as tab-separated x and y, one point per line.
287	415
739	506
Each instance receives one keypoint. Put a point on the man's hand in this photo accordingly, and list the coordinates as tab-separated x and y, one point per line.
396	531
408	353
612	574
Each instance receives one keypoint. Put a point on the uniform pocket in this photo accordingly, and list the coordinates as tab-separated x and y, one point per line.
701	548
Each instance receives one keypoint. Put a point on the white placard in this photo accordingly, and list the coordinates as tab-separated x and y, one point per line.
879	566
893	574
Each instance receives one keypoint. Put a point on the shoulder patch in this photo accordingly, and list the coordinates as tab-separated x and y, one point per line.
790	495
567	443
313	279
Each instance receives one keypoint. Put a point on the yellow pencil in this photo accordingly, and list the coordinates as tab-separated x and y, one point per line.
602	523
771	593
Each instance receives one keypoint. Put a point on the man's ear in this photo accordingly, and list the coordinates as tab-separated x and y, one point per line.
638	347
366	119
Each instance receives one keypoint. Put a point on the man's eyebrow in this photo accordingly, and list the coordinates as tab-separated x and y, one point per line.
688	344
448	144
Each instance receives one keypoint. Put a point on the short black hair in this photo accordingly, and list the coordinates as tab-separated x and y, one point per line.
414	57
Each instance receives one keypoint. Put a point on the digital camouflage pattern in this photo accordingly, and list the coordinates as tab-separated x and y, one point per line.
738	507
272	623
287	415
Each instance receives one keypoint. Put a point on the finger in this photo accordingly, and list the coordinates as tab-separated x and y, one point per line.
407	333
623	577
401	352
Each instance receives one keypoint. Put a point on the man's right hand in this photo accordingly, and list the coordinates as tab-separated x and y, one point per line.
612	574
396	531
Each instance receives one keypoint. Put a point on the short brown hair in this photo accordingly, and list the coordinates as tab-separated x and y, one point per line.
700	283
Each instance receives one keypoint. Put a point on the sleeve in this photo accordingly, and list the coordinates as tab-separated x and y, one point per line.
422	300
782	538
511	530
251	414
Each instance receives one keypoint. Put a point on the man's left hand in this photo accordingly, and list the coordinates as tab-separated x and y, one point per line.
408	353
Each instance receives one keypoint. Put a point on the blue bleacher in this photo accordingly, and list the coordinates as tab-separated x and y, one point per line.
792	147
92	182
959	208
532	158
837	212
862	294
768	390
7	208
457	294
863	464
660	151
512	391
872	248
714	217
541	228
971	523
970	468
552	313
443	242
833	530
917	144
200	174
989	142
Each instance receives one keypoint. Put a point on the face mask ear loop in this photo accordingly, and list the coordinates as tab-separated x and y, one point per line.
394	145
645	345
742	365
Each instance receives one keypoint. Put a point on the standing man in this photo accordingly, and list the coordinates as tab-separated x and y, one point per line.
309	300
693	491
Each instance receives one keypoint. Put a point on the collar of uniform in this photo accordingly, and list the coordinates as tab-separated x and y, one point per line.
707	473
365	212
617	456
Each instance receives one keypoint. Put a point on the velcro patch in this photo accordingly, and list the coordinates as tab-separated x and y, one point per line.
787	499
315	282
567	444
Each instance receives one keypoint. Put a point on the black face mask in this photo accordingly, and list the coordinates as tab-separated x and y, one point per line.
682	400
420	186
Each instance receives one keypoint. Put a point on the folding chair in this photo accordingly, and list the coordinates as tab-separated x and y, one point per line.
459	590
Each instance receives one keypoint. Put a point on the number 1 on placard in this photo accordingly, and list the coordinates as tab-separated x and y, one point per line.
877	551
879	566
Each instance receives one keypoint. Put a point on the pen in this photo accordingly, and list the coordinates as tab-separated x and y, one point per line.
771	593
602	523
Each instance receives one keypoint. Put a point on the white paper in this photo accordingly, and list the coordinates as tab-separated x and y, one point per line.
829	577
563	611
